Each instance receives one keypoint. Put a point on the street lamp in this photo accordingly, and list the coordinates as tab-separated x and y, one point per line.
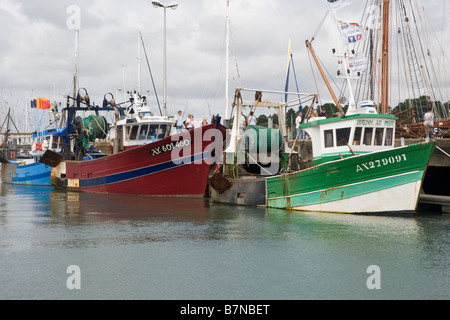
172	6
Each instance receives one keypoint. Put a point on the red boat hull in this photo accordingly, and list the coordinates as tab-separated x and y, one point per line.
175	166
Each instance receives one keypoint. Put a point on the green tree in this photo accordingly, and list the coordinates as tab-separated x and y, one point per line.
262	120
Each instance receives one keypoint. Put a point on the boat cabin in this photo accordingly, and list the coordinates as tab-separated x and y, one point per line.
341	137
43	140
140	131
139	127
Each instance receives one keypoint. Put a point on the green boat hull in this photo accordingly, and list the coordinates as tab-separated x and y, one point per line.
385	181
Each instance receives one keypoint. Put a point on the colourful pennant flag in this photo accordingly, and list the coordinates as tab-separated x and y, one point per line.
33	103
43	103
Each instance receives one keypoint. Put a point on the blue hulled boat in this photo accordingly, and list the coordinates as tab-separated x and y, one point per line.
26	169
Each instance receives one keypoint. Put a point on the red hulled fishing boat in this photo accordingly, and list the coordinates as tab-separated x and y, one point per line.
145	158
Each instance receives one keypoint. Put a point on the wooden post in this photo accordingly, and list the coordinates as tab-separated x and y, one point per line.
385	60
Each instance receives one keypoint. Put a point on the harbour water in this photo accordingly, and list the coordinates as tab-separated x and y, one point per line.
191	249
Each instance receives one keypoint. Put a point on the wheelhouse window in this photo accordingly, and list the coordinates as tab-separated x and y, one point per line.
158	131
328	136
379	136
342	136
162	131
146	131
357	136
133	132
388	140
368	133
143	132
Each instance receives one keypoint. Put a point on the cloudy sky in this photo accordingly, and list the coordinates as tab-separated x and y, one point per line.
37	48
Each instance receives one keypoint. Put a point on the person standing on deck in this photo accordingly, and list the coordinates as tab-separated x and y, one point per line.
428	122
298	122
190	122
252	120
179	122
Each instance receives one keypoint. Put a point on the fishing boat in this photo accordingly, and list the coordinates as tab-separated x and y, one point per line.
255	152
24	168
145	159
357	168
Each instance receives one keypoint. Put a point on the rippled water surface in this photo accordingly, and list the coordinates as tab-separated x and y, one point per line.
176	248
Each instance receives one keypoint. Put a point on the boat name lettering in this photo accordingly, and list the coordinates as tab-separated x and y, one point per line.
170	146
378	123
364	122
389	123
380	163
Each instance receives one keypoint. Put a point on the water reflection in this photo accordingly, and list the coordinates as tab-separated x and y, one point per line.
192	248
142	219
118	207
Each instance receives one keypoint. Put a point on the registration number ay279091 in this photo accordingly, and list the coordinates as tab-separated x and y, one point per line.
380	163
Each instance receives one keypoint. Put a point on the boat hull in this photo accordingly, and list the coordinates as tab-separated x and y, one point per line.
248	192
35	174
175	166
385	181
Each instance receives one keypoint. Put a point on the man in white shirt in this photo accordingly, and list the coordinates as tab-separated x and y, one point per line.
298	122
179	122
252	119
428	121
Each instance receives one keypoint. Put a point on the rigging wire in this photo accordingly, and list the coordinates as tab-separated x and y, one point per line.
151	75
319	27
314	77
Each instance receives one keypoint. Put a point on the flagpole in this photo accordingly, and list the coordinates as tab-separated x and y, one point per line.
75	67
352	103
139	62
385	60
227	61
286	88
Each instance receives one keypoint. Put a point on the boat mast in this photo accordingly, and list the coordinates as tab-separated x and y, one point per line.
227	61
308	44
139	62
385	59
75	67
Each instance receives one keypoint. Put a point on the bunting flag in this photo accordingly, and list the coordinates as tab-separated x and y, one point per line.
33	104
338	4
42	103
351	32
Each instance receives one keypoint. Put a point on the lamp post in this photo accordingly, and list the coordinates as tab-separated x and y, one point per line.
172	6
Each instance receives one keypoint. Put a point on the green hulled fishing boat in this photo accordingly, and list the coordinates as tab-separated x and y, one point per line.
356	169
